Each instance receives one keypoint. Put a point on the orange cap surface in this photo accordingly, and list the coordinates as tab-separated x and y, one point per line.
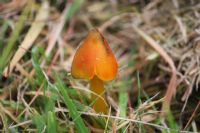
94	57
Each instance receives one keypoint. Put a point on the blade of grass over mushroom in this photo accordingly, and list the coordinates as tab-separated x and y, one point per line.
172	84
6	53
30	37
69	11
72	109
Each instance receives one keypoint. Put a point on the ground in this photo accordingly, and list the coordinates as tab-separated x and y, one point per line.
157	48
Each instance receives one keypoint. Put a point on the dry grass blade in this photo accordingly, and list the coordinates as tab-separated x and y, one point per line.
172	84
11	6
31	36
22	71
55	34
114	19
123	119
157	88
182	28
9	114
70	9
192	116
20	124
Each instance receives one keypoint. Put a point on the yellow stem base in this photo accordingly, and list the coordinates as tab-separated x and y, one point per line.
100	105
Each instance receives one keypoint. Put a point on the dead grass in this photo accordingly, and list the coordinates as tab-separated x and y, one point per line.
156	43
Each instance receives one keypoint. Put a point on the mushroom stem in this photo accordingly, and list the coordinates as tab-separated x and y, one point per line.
100	105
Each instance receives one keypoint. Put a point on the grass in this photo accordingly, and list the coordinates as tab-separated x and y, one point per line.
72	109
40	95
6	53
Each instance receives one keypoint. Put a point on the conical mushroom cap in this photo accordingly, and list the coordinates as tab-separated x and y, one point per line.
94	57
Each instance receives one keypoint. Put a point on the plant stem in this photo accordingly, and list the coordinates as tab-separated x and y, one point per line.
96	86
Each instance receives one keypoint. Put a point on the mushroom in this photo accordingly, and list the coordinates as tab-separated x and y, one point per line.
95	61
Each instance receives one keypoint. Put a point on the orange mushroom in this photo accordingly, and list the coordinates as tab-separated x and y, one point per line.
95	61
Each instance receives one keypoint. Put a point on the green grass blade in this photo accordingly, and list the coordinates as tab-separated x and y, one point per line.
41	78
139	88
123	100
141	128
39	121
172	123
4	58
80	126
36	52
51	122
73	7
3	29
